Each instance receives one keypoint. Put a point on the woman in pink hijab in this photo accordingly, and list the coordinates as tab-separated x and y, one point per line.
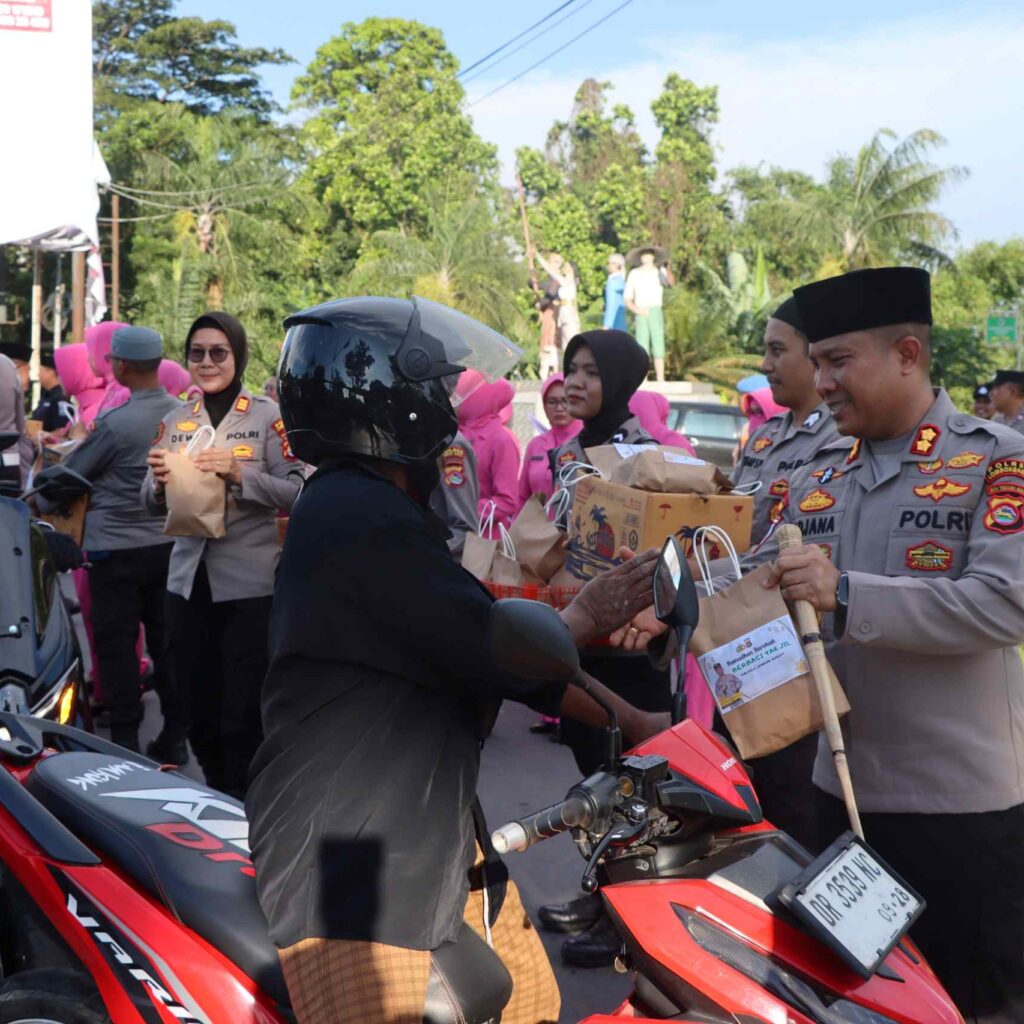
78	380
535	477
174	379
652	410
496	449
97	343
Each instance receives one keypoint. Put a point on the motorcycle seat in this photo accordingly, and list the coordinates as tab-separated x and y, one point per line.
187	846
184	843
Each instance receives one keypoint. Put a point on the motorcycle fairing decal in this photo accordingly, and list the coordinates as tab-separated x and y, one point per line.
128	962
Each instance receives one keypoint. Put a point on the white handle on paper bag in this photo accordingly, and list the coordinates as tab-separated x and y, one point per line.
202	439
716	534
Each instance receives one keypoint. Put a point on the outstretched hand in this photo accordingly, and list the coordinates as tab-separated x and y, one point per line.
611	600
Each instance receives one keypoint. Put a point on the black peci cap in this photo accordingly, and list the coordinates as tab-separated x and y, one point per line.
1006	377
789	314
864	299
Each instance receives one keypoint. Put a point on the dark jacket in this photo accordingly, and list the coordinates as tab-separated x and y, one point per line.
380	690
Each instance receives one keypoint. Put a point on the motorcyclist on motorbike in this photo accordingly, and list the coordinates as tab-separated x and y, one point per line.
368	866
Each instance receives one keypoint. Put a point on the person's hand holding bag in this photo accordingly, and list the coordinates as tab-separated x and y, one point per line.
612	599
222	462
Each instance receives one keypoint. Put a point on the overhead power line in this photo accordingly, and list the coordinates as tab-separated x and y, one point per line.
553	53
528	42
509	42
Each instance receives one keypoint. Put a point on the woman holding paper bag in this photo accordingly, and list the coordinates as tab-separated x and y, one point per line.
220	587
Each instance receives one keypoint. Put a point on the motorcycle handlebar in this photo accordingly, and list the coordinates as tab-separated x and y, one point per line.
572	812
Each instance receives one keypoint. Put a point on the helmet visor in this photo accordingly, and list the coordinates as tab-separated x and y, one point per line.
467	343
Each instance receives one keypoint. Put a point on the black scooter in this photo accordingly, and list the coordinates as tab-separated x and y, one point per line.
41	669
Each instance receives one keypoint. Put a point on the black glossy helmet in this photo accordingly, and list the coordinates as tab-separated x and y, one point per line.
375	376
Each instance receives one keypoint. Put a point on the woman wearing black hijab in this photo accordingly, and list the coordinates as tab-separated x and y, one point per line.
603	369
220	590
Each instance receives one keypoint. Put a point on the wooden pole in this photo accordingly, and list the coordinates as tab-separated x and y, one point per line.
115	257
78	296
526	234
37	322
789	536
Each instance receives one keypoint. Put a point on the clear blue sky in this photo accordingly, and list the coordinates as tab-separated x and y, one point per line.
799	80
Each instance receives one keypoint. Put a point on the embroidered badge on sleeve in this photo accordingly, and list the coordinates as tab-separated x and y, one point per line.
1006	476
454	462
1004	514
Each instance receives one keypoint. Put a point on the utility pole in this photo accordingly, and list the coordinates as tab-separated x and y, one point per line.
37	322
78	296
115	257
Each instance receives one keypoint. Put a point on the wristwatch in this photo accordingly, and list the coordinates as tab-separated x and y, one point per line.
843	591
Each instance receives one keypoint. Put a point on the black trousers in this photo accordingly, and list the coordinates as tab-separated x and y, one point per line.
635	680
970	870
783	785
128	588
220	660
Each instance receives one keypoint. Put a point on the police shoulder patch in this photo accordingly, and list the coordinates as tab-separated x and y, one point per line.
243	403
454	464
854	452
941	488
1004	514
1005	476
817	501
159	433
965	460
761	443
925	440
929	557
928	468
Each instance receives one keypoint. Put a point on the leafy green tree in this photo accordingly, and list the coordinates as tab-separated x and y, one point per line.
461	258
385	121
142	52
686	113
1001	267
877	206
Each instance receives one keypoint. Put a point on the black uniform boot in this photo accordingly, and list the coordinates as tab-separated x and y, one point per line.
598	946
574	916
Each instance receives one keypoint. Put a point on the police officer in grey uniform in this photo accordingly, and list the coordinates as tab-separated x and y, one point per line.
786	442
455	499
127	546
1006	393
12	420
917	519
221	590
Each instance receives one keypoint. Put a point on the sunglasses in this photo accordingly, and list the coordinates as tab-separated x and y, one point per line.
217	354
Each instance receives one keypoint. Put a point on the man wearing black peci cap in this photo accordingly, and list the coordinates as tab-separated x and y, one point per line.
917	518
54	409
1006	391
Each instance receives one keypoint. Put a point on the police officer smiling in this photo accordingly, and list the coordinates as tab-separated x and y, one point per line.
220	590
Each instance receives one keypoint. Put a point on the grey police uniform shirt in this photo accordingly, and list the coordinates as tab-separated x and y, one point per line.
113	458
240	564
772	454
455	499
1017	423
930	529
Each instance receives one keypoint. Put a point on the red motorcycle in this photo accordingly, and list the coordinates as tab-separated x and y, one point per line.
127	894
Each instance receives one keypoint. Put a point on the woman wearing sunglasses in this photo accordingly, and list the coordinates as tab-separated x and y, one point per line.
220	590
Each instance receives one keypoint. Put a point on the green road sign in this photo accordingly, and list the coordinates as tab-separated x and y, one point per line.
1001	328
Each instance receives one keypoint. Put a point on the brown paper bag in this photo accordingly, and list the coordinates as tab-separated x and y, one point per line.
196	500
668	473
750	654
506	571
539	544
33	427
478	555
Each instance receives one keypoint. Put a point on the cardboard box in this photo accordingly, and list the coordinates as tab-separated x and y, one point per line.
606	516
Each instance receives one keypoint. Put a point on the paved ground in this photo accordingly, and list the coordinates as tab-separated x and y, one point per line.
522	772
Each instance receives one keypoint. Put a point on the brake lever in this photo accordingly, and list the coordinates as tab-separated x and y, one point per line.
618	836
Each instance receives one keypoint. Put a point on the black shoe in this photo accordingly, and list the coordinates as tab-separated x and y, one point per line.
168	749
598	946
574	916
126	736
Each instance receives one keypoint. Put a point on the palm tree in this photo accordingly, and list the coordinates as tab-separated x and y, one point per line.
876	206
463	259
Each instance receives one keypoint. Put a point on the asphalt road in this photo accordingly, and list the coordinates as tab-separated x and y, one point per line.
520	772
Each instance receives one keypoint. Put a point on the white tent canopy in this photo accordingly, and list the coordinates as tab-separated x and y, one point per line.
51	165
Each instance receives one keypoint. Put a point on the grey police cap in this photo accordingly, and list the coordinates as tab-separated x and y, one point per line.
137	344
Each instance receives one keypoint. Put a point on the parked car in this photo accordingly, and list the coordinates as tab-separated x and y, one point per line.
713	429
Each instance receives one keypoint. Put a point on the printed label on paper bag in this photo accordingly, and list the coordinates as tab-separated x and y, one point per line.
682	460
626	450
744	669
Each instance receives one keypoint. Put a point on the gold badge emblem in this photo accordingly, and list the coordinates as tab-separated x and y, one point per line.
761	443
929	557
927	438
186	425
928	468
817	501
941	488
965	460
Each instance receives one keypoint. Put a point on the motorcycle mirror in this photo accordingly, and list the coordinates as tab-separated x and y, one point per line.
675	594
60	484
8	439
529	639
